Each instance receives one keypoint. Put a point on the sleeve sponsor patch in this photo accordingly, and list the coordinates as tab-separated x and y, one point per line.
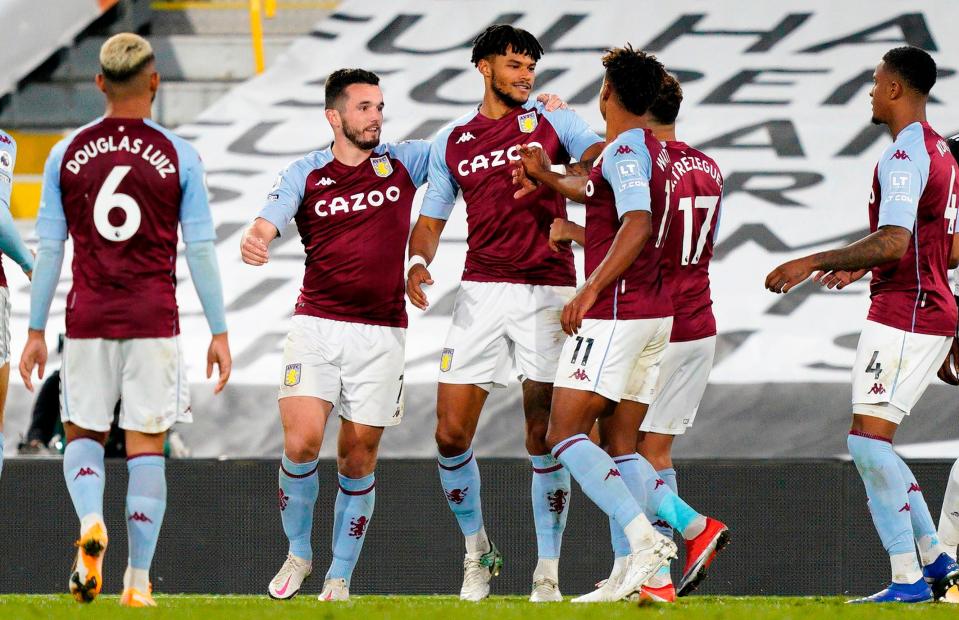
900	186
630	174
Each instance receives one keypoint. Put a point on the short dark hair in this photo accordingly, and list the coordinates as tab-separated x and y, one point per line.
913	65
666	107
635	76
341	78
498	39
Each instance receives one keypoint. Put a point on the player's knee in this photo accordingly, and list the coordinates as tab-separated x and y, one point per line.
302	448
356	463
451	441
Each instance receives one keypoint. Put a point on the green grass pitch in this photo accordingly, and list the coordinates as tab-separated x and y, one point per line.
15	607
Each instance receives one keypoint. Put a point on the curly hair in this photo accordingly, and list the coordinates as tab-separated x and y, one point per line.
635	76
498	39
666	107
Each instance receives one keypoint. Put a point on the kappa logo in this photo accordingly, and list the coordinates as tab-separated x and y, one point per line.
660	523
913	487
614	473
527	122
624	150
358	526
466	137
580	375
900	154
86	471
557	500
877	388
446	360
905	508
382	166
284	499
140	517
457	496
659	482
291	376
326	182
5	139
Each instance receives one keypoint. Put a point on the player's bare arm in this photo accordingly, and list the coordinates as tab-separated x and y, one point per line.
536	165
255	243
562	232
424	240
218	354
887	244
627	245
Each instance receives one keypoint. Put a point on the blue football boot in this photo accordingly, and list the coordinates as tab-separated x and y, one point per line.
917	592
941	575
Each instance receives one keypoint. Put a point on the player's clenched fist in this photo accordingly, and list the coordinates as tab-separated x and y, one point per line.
34	356
253	249
416	277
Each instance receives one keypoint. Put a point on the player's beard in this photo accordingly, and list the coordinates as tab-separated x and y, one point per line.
504	96
356	137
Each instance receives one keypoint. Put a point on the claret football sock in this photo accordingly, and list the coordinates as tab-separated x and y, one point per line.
351	519
146	504
460	478
550	492
602	481
879	469
923	527
85	476
299	487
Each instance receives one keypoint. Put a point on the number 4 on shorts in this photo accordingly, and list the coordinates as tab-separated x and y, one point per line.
874	366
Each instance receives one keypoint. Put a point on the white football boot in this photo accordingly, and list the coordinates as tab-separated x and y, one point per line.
288	581
335	590
643	564
606	588
477	572
545	590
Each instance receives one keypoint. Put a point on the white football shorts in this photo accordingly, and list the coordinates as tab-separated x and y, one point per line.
146	375
355	366
606	356
683	375
893	368
498	323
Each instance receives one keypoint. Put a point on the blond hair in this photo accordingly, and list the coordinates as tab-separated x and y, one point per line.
124	55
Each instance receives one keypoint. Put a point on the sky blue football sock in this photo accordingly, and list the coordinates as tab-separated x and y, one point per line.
663	504
669	477
85	475
599	477
880	472
634	482
923	527
351	519
299	487
550	492
146	504
460	478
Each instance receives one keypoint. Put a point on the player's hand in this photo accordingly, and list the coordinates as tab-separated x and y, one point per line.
534	160
415	279
949	371
253	249
551	102
527	185
783	278
579	305
34	356
558	237
838	279
219	354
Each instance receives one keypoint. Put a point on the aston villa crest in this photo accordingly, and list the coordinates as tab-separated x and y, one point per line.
527	122
382	166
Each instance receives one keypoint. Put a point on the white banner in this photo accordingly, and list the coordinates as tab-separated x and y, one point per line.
34	29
